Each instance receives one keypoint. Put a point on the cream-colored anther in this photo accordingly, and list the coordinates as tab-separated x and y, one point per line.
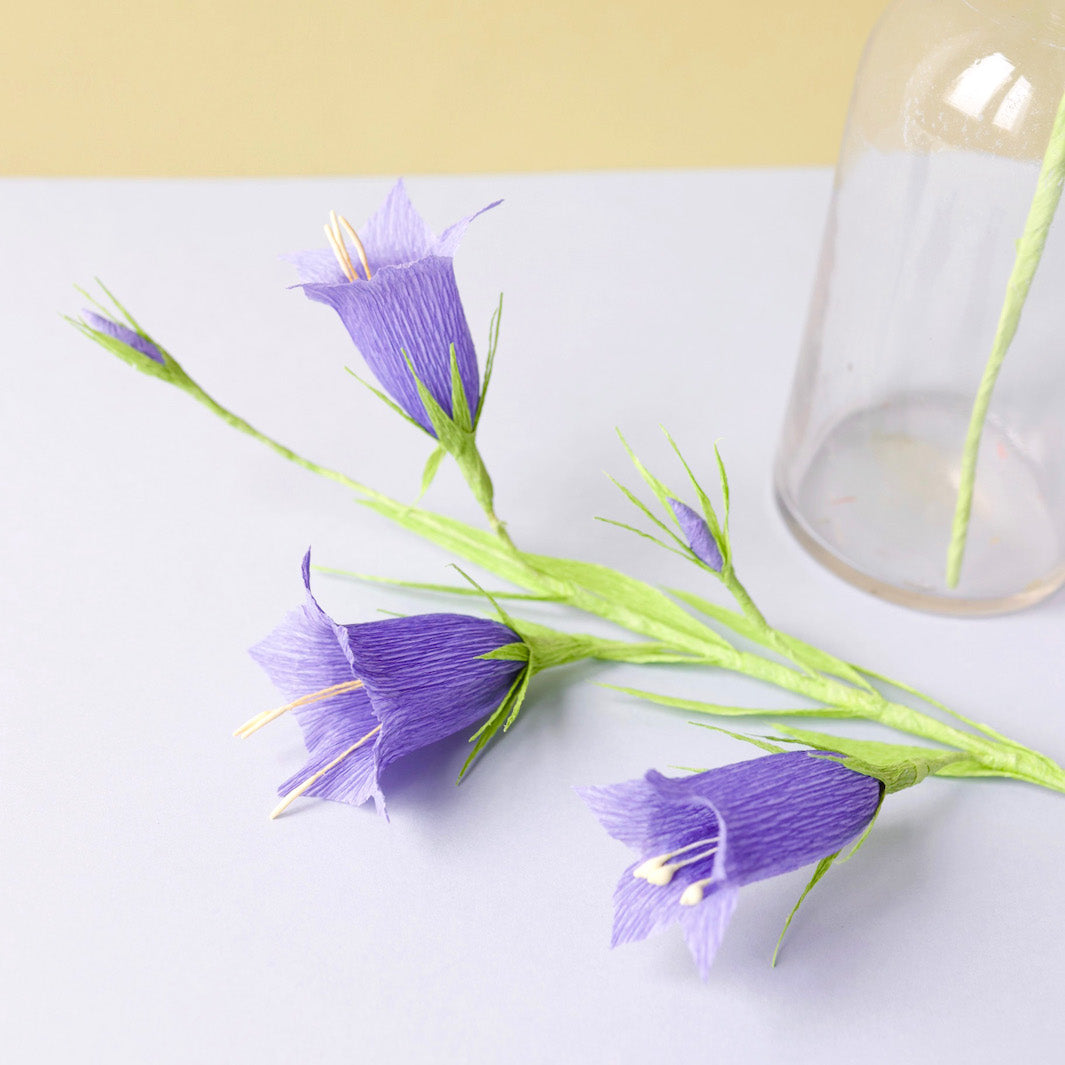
655	871
296	792
660	869
350	229
257	722
340	250
694	893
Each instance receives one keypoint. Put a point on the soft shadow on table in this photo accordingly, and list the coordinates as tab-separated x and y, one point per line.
423	783
825	947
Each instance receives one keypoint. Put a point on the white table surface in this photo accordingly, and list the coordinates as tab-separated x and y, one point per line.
152	913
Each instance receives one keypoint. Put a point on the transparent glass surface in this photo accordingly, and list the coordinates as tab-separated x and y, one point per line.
951	114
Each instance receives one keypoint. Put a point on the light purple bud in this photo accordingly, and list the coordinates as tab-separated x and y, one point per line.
698	534
123	332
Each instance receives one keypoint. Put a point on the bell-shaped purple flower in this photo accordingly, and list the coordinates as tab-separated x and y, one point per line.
702	837
366	695
408	308
123	334
697	533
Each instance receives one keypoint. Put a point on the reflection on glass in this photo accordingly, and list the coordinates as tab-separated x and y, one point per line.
974	88
1014	106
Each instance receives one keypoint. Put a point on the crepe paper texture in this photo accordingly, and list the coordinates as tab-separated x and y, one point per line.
124	335
1029	252
700	540
422	678
700	838
833	688
366	695
404	314
409	304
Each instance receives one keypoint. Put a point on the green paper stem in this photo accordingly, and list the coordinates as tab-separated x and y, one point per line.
1029	252
675	635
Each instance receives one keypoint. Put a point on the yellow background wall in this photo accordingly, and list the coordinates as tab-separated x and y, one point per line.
319	86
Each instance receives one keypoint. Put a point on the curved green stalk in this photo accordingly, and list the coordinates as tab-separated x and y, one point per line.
1029	252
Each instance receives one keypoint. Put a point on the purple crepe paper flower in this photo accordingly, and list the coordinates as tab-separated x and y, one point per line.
702	837
123	333
397	685
698	534
410	304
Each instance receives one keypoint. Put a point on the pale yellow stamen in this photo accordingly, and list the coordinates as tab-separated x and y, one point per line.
358	245
257	722
340	250
293	795
695	893
659	870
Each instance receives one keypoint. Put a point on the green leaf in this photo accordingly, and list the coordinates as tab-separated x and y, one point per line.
804	653
426	586
587	586
696	706
632	604
823	867
986	730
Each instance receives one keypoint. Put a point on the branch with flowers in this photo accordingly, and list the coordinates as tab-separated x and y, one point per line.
365	695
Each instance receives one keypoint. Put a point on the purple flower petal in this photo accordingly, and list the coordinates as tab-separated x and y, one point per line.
124	334
413	309
423	678
713	832
409	308
704	926
396	234
698	534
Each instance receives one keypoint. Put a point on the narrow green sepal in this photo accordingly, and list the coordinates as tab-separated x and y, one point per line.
456	435
719	534
503	717
725	496
761	742
551	648
503	616
432	464
643	535
896	766
823	867
510	652
460	408
384	398
493	344
129	355
660	490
